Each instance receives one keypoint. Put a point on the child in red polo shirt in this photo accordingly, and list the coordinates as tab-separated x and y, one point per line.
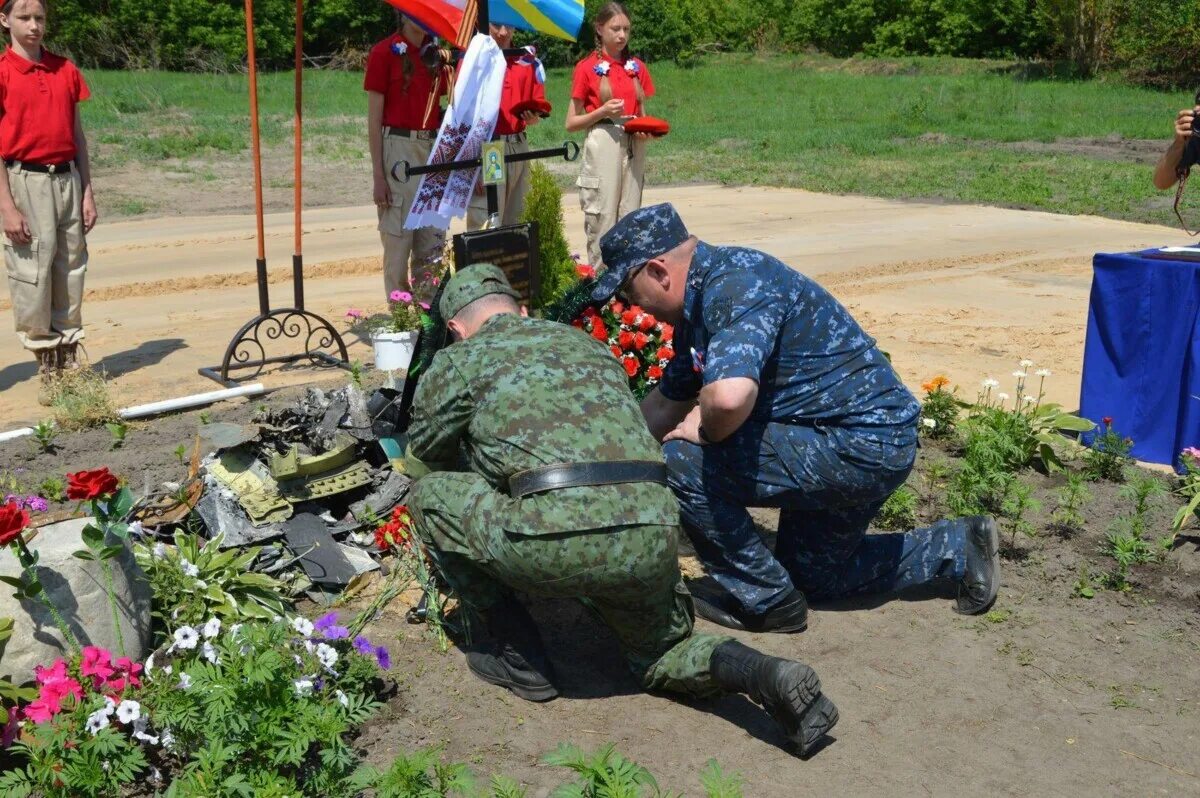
523	81
46	201
403	115
609	87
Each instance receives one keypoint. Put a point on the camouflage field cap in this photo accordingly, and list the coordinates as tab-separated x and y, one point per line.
640	236
471	283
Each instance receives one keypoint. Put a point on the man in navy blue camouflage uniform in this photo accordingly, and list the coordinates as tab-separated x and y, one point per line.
777	398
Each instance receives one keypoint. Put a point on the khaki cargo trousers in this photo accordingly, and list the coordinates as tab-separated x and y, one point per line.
511	194
610	182
405	252
45	276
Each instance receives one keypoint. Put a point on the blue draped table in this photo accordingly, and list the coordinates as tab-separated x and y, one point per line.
1141	363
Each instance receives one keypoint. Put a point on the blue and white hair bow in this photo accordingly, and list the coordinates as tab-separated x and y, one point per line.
531	59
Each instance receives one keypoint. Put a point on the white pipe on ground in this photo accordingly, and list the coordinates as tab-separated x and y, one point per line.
187	402
12	434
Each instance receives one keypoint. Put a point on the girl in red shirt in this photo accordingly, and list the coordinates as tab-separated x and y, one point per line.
403	115
609	87
46	202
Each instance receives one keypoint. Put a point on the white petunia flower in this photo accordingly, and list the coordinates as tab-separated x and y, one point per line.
303	687
167	739
159	551
929	422
1026	363
302	625
185	637
96	721
140	733
110	706
212	627
341	697
149	666
188	568
1043	372
326	655
185	681
210	652
128	711
233	631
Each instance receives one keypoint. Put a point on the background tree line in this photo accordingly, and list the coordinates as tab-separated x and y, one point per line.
1152	42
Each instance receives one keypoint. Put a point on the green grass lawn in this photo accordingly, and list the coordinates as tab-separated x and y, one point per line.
916	128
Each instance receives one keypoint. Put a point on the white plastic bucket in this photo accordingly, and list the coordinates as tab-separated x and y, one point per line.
394	350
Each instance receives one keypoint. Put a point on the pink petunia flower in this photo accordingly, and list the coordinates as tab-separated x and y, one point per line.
96	662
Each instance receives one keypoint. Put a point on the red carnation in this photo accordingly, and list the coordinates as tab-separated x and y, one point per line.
639	341
629	317
664	353
13	520
599	332
668	332
1107	421
88	485
590	312
631	366
584	271
616	350
654	373
617	307
625	339
647	323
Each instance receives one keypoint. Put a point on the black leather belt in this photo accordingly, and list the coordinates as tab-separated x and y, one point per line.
575	475
420	135
44	168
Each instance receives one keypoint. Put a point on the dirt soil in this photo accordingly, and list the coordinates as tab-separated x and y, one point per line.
1050	694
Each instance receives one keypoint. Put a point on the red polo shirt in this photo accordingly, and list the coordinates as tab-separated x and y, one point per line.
586	84
520	84
38	105
409	107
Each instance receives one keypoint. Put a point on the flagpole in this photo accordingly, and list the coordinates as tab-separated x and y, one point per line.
264	303
493	192
298	160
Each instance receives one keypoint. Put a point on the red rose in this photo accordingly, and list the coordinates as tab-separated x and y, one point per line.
584	271
664	353
631	366
616	350
647	323
599	332
1107	421
625	339
88	485
629	317
639	341
654	373
13	520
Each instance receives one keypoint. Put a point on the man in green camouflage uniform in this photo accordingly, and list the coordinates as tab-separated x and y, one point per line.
515	394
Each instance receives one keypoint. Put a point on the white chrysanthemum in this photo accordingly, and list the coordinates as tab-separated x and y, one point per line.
128	711
96	721
1003	397
991	383
929	422
303	687
188	568
1027	399
302	625
1043	372
212	627
1020	375
1024	364
326	655
186	637
210	652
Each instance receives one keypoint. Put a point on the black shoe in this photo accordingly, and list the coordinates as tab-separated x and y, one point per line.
979	586
713	603
789	691
511	655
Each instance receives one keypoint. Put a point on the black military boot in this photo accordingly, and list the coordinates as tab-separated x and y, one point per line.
713	603
511	654
789	691
979	586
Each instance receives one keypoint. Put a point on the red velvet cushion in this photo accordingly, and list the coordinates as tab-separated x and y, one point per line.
539	107
648	124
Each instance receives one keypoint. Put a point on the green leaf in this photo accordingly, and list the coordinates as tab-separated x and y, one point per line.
19	584
83	554
33	589
93	536
1072	423
109	552
121	504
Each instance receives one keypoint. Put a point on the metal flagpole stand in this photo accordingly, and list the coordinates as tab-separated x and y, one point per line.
248	348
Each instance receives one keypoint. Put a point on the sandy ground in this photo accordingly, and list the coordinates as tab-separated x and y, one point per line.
962	290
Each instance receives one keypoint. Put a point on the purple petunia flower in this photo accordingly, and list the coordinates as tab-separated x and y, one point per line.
383	658
363	646
38	504
327	626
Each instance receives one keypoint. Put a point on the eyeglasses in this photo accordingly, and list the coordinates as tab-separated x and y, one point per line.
621	295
